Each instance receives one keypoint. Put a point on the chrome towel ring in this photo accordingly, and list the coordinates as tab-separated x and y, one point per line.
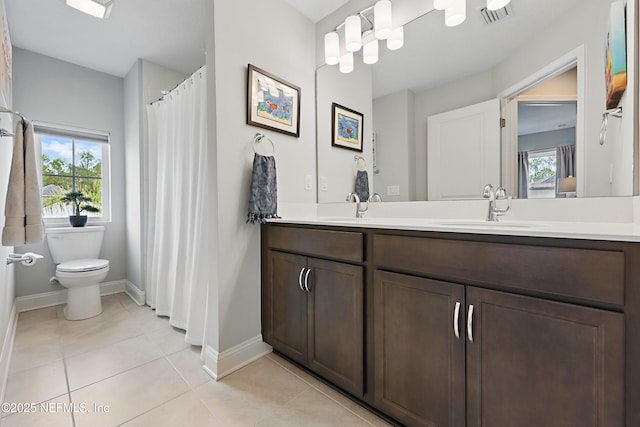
258	137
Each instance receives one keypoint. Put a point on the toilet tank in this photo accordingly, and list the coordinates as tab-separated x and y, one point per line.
71	243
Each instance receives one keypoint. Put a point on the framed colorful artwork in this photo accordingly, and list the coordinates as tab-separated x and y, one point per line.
616	55
272	103
346	128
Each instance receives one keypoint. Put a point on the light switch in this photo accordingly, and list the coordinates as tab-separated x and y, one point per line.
324	183
308	182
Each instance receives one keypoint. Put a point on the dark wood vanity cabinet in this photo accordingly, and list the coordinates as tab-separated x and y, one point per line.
313	308
465	353
464	330
419	361
535	362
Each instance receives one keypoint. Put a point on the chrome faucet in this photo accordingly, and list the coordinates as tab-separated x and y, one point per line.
494	196
360	210
375	197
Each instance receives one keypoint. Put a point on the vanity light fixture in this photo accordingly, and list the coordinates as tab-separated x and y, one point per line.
346	63
382	19
497	4
331	48
98	8
396	39
441	4
455	13
378	23
370	49
353	33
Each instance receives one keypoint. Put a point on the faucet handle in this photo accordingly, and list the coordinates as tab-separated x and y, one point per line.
488	193
501	193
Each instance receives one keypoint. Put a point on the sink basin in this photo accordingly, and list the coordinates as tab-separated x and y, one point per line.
486	224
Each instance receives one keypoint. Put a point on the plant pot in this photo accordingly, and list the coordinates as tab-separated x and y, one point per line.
78	220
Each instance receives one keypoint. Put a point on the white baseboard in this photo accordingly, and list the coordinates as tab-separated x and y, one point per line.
48	299
135	293
7	349
219	365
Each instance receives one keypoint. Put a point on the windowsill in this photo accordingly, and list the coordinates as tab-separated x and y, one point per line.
62	222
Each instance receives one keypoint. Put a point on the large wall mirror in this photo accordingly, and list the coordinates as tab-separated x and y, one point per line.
433	109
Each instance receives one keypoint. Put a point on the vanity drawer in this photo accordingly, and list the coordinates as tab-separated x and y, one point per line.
576	274
340	245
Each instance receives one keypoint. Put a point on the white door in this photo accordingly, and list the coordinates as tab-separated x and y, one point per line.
463	151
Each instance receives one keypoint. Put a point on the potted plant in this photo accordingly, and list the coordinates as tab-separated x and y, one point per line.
80	203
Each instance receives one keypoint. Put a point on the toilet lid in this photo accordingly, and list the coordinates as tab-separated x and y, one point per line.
80	265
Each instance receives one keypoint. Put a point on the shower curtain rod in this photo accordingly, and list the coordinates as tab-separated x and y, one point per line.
167	92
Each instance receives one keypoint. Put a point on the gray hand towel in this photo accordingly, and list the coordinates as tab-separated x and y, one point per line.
362	185
263	199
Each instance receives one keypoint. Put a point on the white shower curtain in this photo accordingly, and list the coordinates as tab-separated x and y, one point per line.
176	155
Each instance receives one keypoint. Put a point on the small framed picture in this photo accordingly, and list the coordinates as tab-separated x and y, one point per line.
272	103
346	128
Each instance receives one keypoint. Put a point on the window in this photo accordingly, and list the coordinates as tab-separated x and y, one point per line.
73	160
542	174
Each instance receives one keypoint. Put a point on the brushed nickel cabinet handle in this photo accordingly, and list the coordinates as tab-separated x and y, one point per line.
470	323
306	280
300	279
456	318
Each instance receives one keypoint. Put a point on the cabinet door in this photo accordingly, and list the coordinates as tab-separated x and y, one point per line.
287	304
419	361
537	363
336	318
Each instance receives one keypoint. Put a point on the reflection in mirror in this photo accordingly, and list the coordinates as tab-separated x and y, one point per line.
547	118
540	66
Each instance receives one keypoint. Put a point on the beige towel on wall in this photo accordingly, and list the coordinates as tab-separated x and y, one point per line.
23	209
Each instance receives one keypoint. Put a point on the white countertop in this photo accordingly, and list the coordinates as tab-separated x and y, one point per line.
627	232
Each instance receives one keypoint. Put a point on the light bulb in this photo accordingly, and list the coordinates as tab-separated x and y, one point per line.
331	48
382	19
346	63
353	33
456	13
496	4
396	39
441	4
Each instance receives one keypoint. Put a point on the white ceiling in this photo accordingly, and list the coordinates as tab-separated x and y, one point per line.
315	10
167	32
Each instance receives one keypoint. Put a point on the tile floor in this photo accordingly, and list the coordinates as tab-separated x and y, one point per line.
129	367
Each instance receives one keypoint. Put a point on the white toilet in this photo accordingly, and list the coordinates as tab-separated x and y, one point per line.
75	250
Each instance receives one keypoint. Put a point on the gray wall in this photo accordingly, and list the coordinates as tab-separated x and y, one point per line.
288	51
395	145
550	139
49	90
142	85
337	165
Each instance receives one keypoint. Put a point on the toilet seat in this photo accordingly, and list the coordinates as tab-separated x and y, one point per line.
83	266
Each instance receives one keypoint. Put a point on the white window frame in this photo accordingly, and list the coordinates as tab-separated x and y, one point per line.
75	133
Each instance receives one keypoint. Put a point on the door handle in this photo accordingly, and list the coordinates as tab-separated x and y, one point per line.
306	280
300	279
470	323
456	320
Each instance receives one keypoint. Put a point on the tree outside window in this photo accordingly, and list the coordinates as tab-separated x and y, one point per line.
70	164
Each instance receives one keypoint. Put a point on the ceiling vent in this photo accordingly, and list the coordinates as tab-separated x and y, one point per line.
495	16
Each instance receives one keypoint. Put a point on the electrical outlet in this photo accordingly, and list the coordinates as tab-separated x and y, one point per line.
393	190
308	182
324	183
